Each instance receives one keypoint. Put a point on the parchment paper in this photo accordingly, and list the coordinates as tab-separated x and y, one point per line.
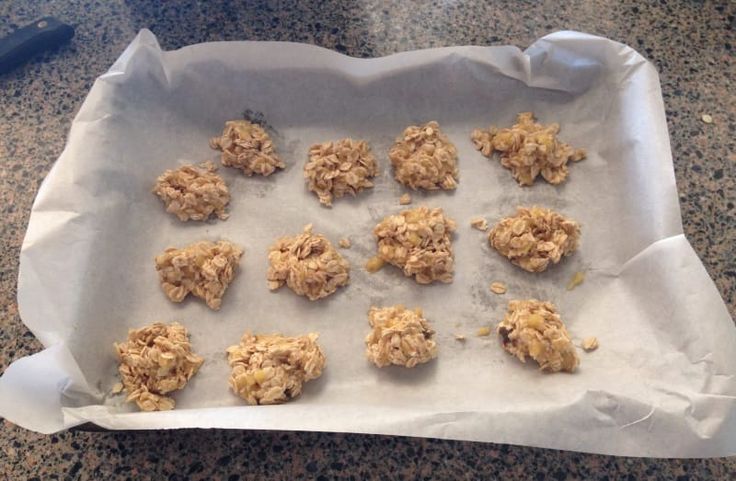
661	383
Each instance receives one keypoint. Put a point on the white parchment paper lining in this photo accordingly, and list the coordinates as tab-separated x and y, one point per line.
661	384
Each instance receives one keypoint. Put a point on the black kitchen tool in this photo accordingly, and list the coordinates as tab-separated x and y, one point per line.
44	34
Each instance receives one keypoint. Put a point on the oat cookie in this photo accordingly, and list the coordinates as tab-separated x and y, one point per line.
424	158
418	241
534	329
335	169
272	369
246	146
204	268
399	336
535	237
156	360
193	192
308	263
529	149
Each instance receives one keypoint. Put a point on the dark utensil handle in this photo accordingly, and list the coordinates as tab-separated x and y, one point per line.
43	34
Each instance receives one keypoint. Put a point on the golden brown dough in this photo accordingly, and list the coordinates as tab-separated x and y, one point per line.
424	158
399	336
535	237
529	149
193	192
246	146
309	264
272	369
418	241
154	361
204	269
335	169
534	329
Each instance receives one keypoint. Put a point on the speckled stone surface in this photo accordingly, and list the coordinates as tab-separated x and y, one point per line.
691	43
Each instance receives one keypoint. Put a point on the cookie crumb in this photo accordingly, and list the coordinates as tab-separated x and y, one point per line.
405	199
344	243
498	288
483	331
374	264
590	343
479	223
459	337
576	280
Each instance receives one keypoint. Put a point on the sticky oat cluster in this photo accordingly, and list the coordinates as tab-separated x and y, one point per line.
247	146
204	269
399	336
193	192
535	237
529	149
308	263
335	169
158	359
154	361
424	158
271	369
534	329
419	242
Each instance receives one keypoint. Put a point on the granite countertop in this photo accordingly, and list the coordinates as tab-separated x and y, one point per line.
691	43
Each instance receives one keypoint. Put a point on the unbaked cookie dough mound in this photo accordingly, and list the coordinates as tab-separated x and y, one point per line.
535	237
335	169
424	158
399	336
529	149
534	329
272	369
155	361
193	192
418	241
204	269
247	146
309	264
